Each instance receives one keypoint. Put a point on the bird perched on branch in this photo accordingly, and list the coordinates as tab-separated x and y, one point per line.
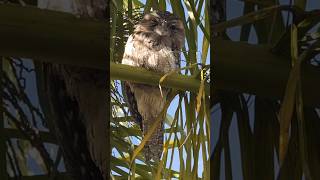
155	45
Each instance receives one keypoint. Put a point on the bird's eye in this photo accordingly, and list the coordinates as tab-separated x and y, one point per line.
153	23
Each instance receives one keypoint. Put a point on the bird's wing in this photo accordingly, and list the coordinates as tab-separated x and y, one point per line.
132	104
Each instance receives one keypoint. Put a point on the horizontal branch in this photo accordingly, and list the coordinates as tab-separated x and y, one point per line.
254	69
52	36
141	75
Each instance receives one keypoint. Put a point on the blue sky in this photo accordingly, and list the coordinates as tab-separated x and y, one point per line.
173	105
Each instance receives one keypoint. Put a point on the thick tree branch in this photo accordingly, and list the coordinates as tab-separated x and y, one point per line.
254	69
52	36
140	75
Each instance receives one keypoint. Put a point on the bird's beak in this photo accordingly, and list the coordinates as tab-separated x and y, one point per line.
162	30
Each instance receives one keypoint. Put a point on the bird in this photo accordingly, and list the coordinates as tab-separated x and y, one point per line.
155	45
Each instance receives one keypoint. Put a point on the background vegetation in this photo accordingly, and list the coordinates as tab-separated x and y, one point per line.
271	131
29	146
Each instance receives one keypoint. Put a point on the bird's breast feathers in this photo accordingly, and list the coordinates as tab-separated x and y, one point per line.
162	59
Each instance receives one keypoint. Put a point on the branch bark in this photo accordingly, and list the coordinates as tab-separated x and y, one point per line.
254	69
52	36
141	75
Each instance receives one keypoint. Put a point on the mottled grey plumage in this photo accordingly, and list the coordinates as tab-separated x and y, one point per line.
155	45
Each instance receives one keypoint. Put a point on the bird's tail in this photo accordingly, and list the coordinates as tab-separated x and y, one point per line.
154	146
